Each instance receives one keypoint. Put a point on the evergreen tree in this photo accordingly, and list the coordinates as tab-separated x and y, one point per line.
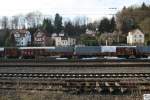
91	26
58	23
47	26
104	25
144	6
112	24
10	41
69	28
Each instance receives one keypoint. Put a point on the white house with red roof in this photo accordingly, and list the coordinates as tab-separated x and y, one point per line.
135	37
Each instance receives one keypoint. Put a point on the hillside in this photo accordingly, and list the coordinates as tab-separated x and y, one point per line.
134	17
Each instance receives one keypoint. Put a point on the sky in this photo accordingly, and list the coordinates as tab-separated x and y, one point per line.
67	8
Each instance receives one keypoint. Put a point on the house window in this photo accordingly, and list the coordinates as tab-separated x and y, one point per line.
135	36
140	35
73	41
135	40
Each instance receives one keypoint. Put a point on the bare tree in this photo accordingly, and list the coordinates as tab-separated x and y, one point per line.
15	22
4	22
34	19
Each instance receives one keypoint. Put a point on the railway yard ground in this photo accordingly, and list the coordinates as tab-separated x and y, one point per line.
74	80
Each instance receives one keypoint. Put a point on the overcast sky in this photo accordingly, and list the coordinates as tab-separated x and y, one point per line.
67	8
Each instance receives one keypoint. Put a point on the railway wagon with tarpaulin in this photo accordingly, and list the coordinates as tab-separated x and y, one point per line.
142	51
87	51
108	51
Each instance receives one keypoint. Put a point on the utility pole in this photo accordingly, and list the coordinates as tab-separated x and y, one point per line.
106	42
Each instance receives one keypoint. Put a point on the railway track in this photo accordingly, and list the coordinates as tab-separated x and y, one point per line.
74	64
74	60
67	76
74	75
106	83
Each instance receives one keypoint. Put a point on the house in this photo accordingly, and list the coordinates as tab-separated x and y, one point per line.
135	37
90	32
62	40
22	37
40	38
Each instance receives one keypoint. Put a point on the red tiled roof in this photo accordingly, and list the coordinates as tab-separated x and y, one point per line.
135	31
21	32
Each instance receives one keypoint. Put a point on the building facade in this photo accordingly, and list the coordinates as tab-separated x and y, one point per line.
62	40
40	38
22	37
135	37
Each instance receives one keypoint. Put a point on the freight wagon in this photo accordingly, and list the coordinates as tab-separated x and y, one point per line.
38	52
108	51
143	51
11	52
87	51
126	51
76	52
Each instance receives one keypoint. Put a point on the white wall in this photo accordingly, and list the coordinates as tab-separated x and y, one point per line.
66	42
135	38
23	41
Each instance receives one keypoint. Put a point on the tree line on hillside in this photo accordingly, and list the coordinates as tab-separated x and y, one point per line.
57	25
124	21
70	28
